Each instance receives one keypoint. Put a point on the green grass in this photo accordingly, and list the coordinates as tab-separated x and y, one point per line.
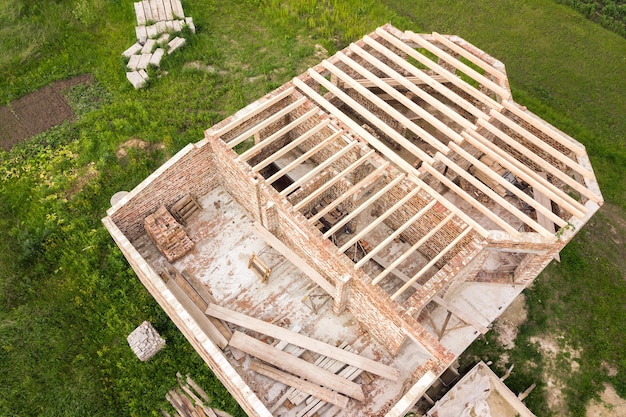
69	299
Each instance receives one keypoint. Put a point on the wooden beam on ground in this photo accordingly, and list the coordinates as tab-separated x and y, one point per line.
334	180
371	117
296	366
412	249
470	56
526	174
364	205
372	176
278	134
301	384
201	320
250	111
467	70
311	174
290	146
266	122
379	219
431	263
289	167
295	259
303	341
396	233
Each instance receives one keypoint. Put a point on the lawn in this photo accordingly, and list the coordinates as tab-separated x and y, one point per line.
69	299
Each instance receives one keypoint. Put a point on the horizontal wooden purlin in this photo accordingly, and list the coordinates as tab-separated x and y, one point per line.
388	153
495	196
387	108
364	205
291	145
546	128
549	168
508	186
431	263
397	95
469	56
372	176
294	258
472	201
451	95
396	233
412	249
250	111
371	117
541	144
278	134
297	339
299	160
394	82
309	175
303	385
451	77
467	70
371	226
296	366
334	180
265	123
526	174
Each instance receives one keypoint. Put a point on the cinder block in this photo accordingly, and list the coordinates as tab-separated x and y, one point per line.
132	50
157	56
133	62
135	79
142	35
151	31
139	12
174	44
149	46
144	61
144	74
189	22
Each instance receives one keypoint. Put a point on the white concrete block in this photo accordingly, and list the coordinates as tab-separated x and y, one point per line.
161	27
135	79
133	62
157	56
169	15
144	60
139	12
169	25
144	74
142	35
151	31
132	50
147	11
149	46
164	38
174	44
189	22
178	25
178	9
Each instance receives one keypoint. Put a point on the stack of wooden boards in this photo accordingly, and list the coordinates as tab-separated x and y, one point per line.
157	21
167	234
189	400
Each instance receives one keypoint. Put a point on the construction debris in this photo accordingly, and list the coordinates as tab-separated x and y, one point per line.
189	400
145	341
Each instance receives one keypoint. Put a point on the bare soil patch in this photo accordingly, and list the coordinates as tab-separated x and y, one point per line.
609	405
37	112
508	324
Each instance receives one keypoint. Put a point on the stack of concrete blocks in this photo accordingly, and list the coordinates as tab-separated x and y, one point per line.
145	341
157	21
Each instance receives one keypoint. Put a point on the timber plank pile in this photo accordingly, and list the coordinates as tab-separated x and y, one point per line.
189	400
157	22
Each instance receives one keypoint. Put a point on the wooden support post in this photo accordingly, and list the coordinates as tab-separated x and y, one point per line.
259	268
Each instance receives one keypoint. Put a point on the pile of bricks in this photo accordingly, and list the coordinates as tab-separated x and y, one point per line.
157	22
167	234
145	341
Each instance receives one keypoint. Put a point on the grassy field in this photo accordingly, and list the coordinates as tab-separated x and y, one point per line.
68	298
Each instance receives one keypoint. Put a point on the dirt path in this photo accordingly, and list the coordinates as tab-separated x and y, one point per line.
36	112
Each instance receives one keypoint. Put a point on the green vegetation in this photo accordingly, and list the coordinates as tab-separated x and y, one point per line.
68	297
611	13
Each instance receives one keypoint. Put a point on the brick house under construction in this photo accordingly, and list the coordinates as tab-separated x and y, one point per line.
334	246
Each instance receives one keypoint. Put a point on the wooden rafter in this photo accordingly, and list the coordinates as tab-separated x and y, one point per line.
394	82
364	205
412	249
334	180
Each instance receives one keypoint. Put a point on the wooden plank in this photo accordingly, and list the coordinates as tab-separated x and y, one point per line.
290	146
370	200
470	56
296	366
334	180
467	70
278	134
412	249
301	340
292	257
301	384
379	220
299	160
431	263
197	388
265	123
250	111
201	320
367	83
311	174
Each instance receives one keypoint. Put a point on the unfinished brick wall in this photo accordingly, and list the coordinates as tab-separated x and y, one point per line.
189	172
